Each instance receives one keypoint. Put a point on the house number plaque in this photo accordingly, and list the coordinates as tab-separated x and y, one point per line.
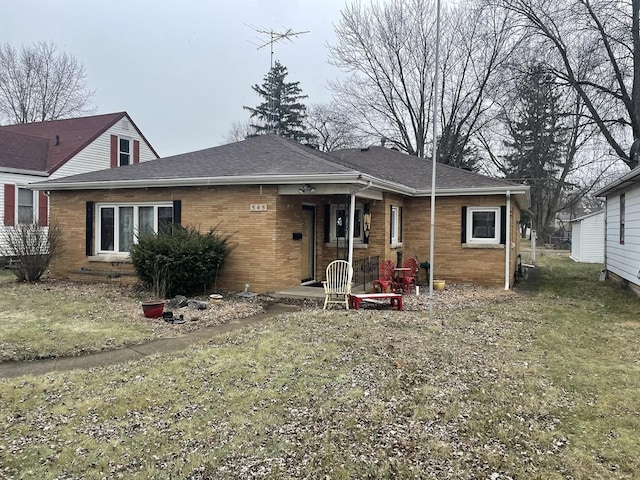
258	207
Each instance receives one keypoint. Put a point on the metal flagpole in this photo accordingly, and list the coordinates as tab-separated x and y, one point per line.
434	161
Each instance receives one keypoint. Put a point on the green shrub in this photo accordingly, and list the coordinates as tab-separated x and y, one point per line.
180	261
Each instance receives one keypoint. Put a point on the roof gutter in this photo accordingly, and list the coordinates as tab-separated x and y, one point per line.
198	182
622	182
20	171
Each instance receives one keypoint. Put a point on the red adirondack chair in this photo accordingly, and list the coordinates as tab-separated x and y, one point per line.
385	281
408	277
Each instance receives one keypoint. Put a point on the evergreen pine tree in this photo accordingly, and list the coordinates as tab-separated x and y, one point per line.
281	112
538	140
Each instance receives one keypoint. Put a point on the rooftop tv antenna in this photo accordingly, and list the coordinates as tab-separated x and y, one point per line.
274	37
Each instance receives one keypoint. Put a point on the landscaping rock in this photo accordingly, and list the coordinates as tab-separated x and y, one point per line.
178	301
198	304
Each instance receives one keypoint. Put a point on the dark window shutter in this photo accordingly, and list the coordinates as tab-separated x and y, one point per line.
89	230
43	209
9	204
114	151
400	224
463	226
503	224
136	151
327	223
177	212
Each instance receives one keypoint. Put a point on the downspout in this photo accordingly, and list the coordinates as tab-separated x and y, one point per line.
606	226
507	245
352	218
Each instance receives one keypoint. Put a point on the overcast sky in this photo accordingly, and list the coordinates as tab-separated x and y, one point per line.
181	69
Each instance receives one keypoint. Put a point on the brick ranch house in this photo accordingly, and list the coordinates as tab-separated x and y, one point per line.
288	208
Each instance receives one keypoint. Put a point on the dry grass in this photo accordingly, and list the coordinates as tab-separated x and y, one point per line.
57	318
525	387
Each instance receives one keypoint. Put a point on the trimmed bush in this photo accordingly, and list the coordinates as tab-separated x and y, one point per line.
180	261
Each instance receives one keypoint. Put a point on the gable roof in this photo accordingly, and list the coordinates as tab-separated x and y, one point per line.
270	159
63	139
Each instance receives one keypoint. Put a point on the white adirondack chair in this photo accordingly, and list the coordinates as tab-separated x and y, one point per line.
337	286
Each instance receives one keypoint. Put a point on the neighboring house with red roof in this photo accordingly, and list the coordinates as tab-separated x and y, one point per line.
291	210
54	149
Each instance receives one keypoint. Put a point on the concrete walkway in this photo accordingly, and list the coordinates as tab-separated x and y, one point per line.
134	352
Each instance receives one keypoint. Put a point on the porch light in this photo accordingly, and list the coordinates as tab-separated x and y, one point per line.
307	188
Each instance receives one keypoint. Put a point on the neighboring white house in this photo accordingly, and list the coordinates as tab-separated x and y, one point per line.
46	150
587	238
622	229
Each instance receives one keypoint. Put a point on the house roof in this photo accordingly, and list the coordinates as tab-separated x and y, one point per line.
269	159
588	215
23	153
63	139
414	172
631	178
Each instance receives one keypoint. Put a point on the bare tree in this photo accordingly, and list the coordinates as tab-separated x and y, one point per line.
388	51
239	131
542	138
598	43
333	128
32	246
37	83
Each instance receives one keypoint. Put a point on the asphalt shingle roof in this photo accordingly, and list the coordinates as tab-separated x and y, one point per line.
270	155
23	152
63	138
265	155
413	172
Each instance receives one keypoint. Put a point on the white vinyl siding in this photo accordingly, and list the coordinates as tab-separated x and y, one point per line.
624	259
97	155
587	238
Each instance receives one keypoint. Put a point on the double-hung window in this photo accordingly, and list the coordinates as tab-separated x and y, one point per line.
25	206
120	225
124	151
395	226
483	225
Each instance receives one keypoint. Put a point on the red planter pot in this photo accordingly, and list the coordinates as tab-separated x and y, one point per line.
153	309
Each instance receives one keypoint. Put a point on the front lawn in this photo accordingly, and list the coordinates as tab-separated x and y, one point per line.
534	387
57	318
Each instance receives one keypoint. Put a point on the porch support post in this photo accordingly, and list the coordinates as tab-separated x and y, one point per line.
507	245
352	219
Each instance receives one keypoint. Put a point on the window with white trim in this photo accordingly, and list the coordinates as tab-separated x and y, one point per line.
340	223
119	225
395	225
124	151
25	206
483	225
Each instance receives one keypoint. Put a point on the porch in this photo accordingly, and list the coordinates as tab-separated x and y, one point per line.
314	293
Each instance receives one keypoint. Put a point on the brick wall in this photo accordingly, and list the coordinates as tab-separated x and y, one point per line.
454	261
254	259
266	256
